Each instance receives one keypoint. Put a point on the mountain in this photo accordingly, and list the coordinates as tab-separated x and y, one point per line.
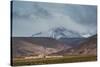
57	33
28	46
74	42
89	47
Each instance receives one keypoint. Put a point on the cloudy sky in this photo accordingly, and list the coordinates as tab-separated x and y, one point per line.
33	17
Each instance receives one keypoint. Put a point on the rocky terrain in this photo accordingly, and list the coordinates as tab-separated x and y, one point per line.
32	46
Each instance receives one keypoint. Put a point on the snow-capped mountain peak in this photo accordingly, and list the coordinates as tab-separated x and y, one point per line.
58	32
86	35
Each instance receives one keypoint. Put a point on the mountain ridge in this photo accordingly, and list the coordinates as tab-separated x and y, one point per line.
29	46
60	32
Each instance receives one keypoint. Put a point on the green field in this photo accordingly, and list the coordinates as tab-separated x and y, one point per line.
65	59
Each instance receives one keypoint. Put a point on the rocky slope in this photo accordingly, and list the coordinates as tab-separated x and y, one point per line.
86	47
27	46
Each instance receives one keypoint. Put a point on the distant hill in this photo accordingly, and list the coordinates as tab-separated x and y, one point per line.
74	42
87	47
26	46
